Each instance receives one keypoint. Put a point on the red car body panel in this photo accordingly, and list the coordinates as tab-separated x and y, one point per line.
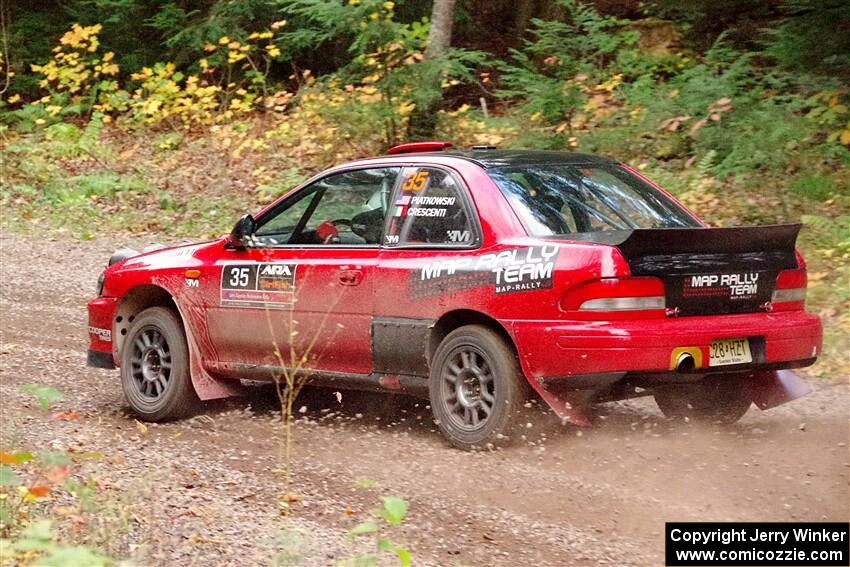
356	300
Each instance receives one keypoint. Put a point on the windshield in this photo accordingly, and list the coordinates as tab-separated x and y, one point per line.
567	199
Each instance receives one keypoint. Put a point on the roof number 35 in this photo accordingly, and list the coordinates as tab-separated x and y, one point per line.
416	181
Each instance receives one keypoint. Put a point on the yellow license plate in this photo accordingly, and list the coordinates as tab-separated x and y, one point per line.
729	351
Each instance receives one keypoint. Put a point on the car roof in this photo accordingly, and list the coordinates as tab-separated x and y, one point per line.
493	158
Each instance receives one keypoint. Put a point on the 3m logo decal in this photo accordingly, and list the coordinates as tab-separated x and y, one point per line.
391	239
459	235
265	285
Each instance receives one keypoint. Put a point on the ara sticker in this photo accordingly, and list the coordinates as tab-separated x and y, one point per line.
265	285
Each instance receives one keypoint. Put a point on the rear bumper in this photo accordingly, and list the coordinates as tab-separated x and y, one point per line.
101	315
576	348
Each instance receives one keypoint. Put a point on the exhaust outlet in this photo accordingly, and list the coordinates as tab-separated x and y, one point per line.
685	362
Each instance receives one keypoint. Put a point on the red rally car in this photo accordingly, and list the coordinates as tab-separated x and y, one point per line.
476	278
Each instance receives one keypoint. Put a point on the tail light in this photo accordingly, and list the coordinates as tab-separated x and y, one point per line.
789	294
616	298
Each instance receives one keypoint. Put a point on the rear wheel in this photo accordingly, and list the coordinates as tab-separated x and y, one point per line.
476	387
715	399
155	367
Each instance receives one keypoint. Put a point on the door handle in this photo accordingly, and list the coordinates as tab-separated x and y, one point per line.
350	277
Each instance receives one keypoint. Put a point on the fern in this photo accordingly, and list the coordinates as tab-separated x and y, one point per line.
706	163
830	233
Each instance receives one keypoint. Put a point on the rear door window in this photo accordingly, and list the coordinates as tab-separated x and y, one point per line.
431	207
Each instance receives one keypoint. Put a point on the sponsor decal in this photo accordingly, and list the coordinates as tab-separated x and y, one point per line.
508	271
732	286
414	206
192	282
188	251
391	238
104	335
459	235
264	285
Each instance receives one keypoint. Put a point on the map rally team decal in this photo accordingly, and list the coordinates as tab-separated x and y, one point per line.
731	286
264	285
508	271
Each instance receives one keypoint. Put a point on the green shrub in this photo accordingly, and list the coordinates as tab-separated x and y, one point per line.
547	74
817	187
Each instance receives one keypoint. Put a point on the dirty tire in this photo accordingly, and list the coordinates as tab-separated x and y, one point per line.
476	388
717	399
155	367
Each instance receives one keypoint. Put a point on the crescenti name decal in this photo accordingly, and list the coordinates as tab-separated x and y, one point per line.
508	271
264	285
733	286
413	206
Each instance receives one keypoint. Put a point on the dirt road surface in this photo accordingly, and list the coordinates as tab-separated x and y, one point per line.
205	491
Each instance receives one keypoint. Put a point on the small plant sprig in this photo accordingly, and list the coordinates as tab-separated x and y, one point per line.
392	511
26	482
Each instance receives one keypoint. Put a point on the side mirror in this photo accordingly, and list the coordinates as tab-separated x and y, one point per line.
240	236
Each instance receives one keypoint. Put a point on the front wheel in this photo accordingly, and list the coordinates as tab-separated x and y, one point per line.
715	399
476	387
155	367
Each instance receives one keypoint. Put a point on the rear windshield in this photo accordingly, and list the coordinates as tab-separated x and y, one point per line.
567	199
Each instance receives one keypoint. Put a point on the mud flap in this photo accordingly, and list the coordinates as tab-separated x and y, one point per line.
771	389
206	386
568	406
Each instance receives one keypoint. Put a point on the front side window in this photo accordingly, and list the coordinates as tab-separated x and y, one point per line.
567	199
430	209
343	208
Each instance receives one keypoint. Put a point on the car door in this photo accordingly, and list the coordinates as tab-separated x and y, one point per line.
432	223
304	287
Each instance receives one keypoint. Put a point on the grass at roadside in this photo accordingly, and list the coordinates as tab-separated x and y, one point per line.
86	181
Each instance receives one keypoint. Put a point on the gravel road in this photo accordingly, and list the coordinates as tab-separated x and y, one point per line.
205	491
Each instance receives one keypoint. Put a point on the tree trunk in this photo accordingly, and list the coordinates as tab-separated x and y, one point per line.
523	11
423	119
440	34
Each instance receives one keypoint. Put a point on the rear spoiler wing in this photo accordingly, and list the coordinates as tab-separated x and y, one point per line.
652	251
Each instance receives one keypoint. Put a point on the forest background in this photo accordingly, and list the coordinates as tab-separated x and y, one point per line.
174	117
